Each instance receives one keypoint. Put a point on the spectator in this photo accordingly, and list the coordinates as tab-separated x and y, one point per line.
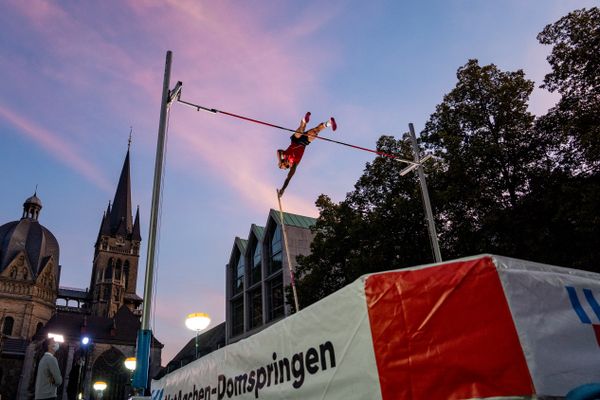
48	377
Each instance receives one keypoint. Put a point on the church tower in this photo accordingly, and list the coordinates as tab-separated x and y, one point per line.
116	255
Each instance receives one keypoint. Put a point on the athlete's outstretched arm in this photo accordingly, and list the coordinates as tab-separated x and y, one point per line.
287	180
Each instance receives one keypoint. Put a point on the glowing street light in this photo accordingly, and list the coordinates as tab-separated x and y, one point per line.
197	322
130	363
99	386
57	338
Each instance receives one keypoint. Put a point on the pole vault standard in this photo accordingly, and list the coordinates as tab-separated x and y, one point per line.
426	203
140	379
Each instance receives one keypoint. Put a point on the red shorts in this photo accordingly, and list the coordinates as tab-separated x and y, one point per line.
294	153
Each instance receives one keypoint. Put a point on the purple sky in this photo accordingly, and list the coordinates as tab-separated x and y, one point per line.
76	75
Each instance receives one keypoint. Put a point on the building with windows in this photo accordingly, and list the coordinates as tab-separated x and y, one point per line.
256	277
258	273
32	304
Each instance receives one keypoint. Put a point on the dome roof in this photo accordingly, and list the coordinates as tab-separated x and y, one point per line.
29	236
34	200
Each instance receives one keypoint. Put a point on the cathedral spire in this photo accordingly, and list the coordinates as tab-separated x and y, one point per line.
121	206
137	235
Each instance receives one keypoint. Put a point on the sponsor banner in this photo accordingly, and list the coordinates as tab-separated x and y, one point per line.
479	327
445	332
557	317
323	352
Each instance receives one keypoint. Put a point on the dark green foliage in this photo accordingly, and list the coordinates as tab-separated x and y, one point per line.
575	62
502	182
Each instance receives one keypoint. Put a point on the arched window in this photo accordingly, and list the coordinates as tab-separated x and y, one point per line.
118	270
7	328
126	273
38	327
108	273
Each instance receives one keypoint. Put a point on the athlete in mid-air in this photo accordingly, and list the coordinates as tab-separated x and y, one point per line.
290	158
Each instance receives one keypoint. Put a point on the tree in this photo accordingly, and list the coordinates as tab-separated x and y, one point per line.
484	133
575	62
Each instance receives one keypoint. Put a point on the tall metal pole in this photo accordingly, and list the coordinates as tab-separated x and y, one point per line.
140	379
425	192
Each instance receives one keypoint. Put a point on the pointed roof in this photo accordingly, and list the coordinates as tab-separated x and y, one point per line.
137	235
104	226
297	220
121	206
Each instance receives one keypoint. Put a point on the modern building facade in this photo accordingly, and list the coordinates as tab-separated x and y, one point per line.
32	304
258	273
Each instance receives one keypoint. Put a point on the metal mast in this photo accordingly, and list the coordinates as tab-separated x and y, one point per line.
140	379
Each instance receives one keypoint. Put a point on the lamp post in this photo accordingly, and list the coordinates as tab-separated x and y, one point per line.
197	322
130	364
83	354
99	387
57	337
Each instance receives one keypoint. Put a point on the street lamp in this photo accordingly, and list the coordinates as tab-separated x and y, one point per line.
57	338
99	386
130	363
197	322
83	357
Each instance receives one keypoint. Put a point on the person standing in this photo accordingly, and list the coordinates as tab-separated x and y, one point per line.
48	377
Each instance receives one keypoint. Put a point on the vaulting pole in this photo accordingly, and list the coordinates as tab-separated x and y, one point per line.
285	242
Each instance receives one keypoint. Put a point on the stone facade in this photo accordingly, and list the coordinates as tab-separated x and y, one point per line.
29	278
117	252
32	304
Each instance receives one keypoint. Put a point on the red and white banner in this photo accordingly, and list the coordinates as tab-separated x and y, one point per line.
480	327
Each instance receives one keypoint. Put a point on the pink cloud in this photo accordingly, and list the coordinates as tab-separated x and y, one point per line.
225	58
57	147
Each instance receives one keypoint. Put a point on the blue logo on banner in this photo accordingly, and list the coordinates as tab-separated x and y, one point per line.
157	394
589	296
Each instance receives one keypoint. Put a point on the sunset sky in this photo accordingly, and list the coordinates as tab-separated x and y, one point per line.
76	75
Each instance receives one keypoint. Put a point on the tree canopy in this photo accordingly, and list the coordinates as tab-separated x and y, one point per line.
575	62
